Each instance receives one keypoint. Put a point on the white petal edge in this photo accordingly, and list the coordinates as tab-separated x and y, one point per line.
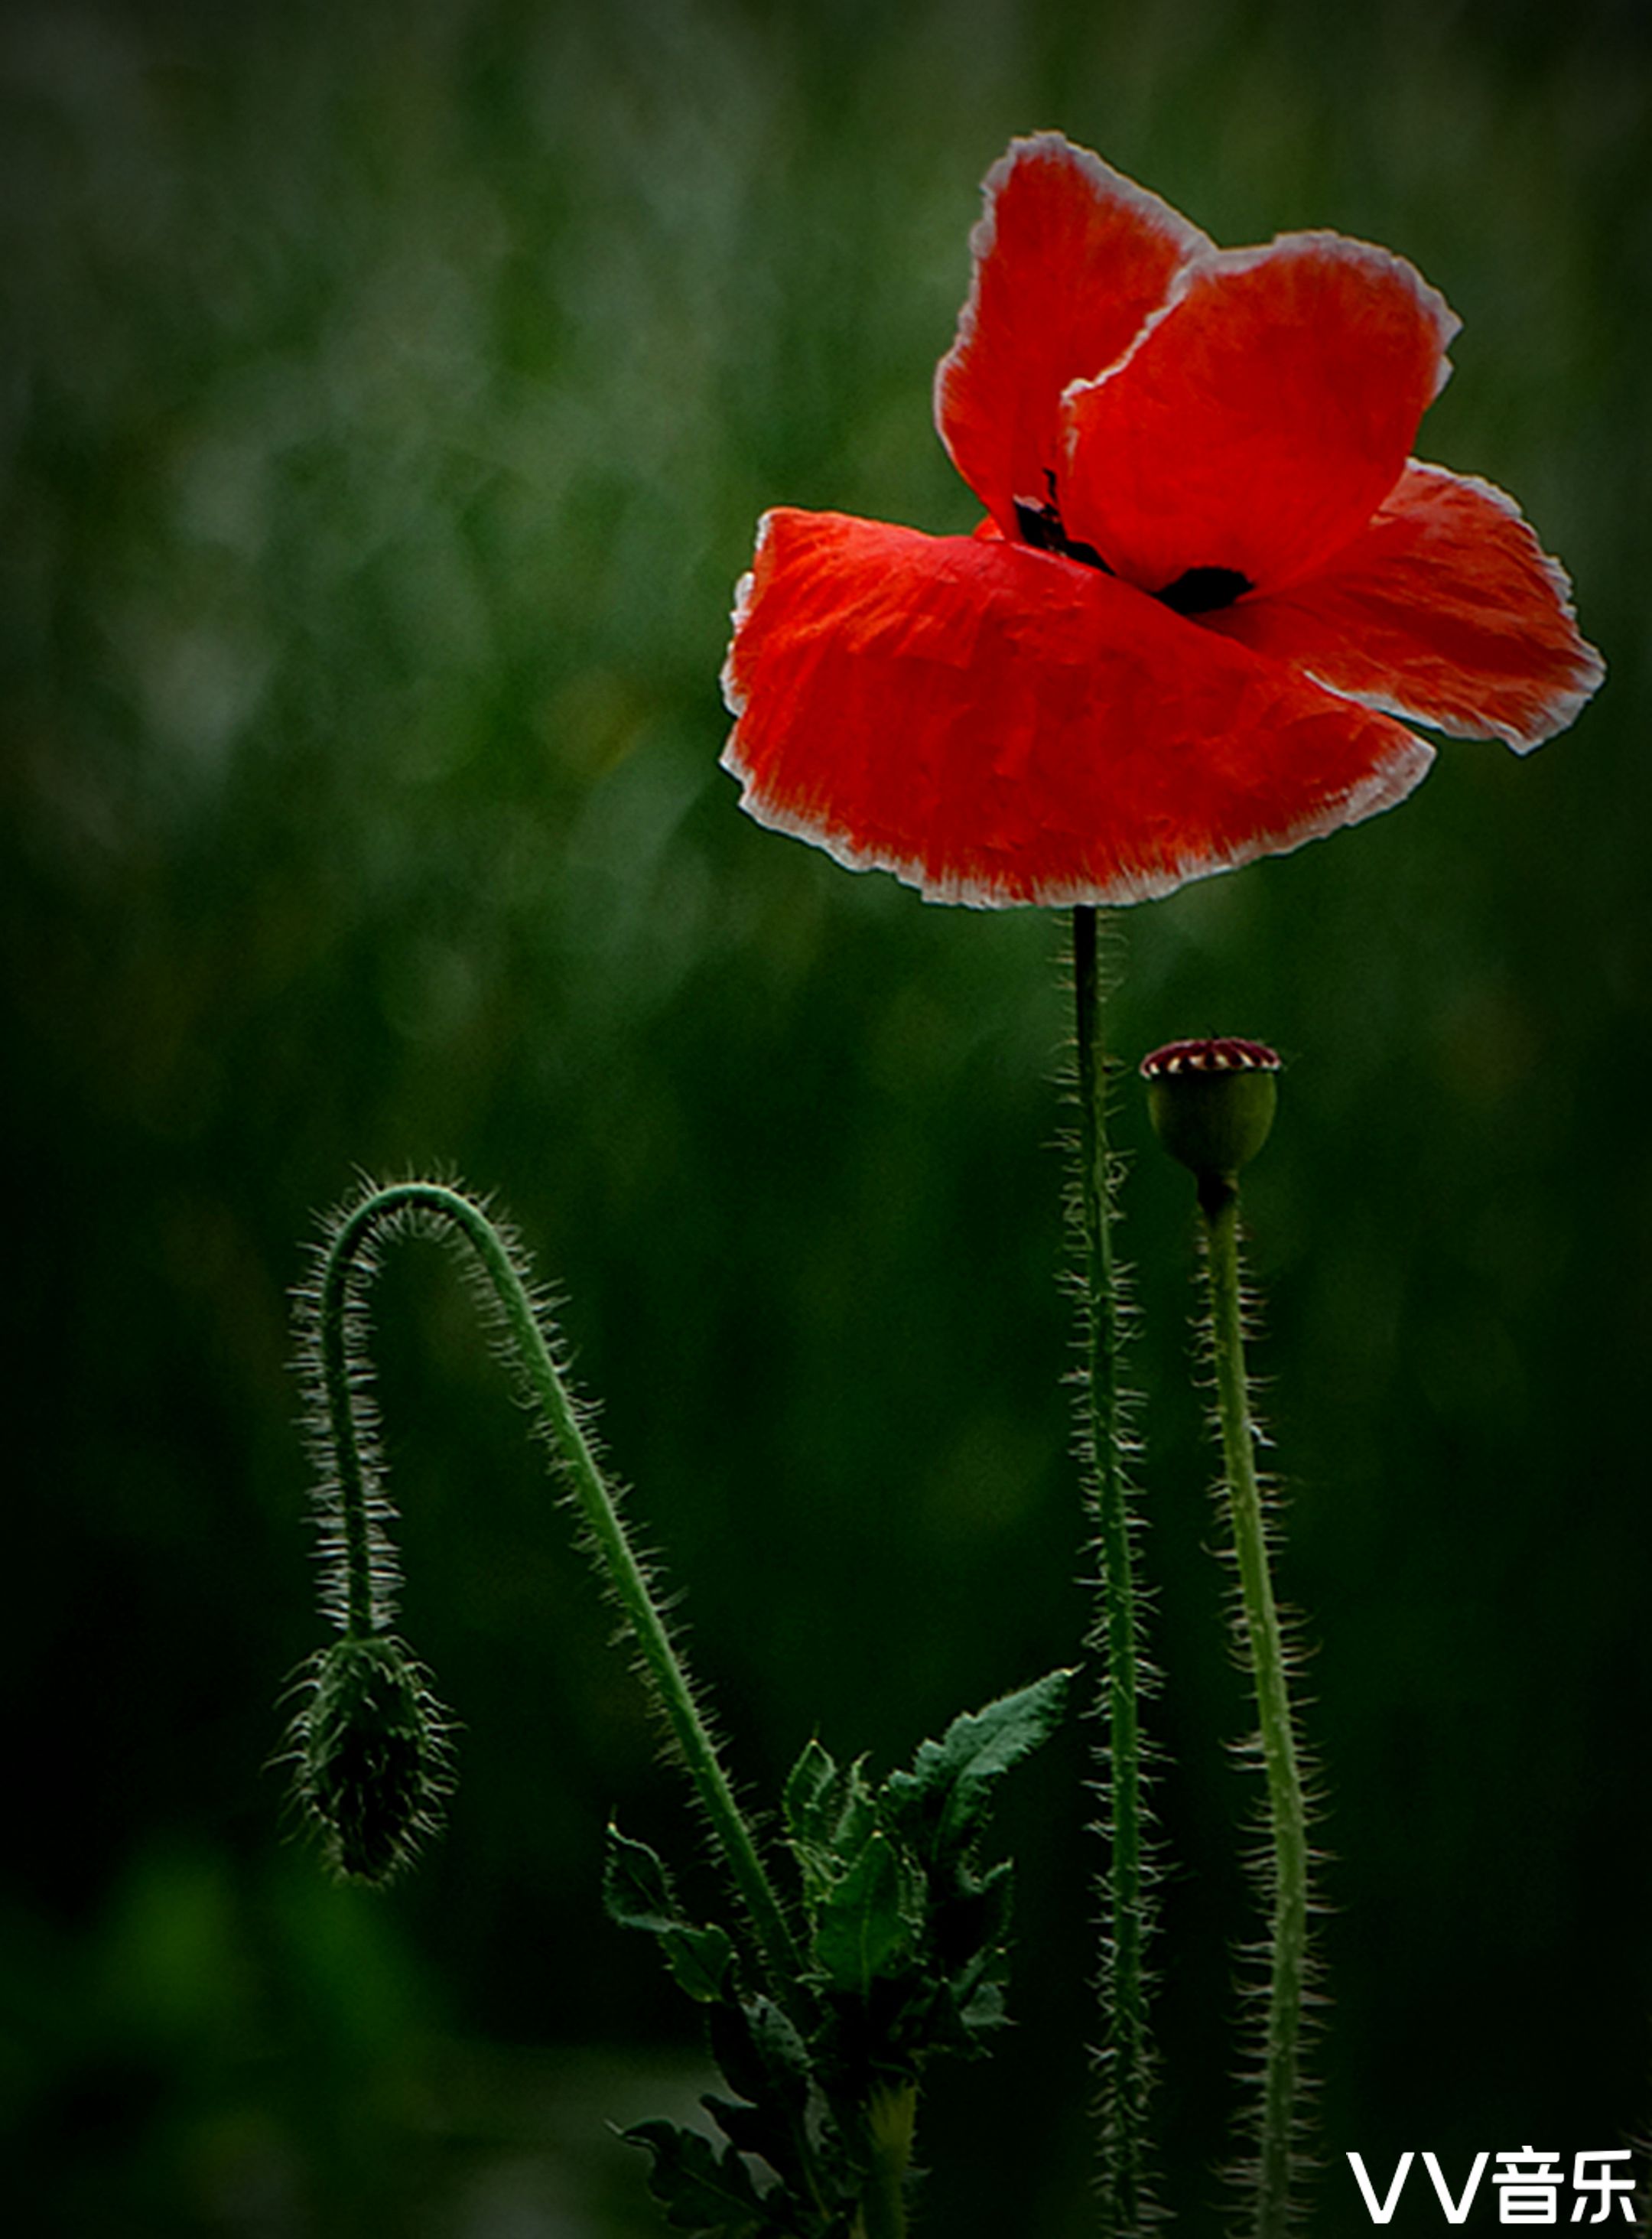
984	235
1447	324
733	698
1562	709
1382	789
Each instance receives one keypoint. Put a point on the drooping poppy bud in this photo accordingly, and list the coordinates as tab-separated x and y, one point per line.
373	1755
1213	1104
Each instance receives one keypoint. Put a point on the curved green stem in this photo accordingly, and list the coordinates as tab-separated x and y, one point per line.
1125	1922
349	1258
1286	1808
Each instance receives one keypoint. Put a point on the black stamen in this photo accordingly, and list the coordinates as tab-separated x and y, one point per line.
1040	526
1202	590
1196	590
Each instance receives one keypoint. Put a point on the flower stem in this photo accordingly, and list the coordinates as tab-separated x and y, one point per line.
1126	2071
1286	1809
349	1261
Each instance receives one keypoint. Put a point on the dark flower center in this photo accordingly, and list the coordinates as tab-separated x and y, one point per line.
1202	590
1196	590
1041	525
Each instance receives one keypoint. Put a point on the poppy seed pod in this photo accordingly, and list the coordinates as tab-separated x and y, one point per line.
372	1753
1213	1104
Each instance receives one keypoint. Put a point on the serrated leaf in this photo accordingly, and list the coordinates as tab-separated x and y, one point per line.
636	1888
700	1959
856	1816
763	2058
967	2020
809	1800
637	1892
948	1791
761	2054
971	1911
746	2126
830	1812
984	2011
813	1804
705	2188
960	2016
868	1919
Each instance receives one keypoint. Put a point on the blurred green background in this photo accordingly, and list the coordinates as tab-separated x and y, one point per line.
390	395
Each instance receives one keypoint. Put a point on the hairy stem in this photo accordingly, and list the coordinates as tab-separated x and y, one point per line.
1125	1904
890	2118
1286	1809
350	1258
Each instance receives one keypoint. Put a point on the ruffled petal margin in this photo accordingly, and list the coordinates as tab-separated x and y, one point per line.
1070	258
1262	416
1444	610
996	725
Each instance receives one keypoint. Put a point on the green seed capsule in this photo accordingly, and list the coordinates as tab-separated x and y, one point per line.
1213	1104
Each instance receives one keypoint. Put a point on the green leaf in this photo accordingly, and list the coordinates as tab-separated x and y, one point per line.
700	1959
637	1892
747	2127
985	2011
636	1888
705	2188
830	1814
761	2054
763	2058
869	1920
972	1911
808	1802
980	1924
945	1797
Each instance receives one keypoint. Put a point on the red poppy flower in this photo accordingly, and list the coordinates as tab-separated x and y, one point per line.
1210	578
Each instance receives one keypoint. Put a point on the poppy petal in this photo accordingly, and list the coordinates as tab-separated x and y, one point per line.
1445	610
998	725
1262	417
1070	257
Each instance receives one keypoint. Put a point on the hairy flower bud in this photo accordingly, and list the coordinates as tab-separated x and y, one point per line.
1213	1104
372	1753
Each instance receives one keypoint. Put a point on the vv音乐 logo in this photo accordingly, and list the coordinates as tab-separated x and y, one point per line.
1530	2183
